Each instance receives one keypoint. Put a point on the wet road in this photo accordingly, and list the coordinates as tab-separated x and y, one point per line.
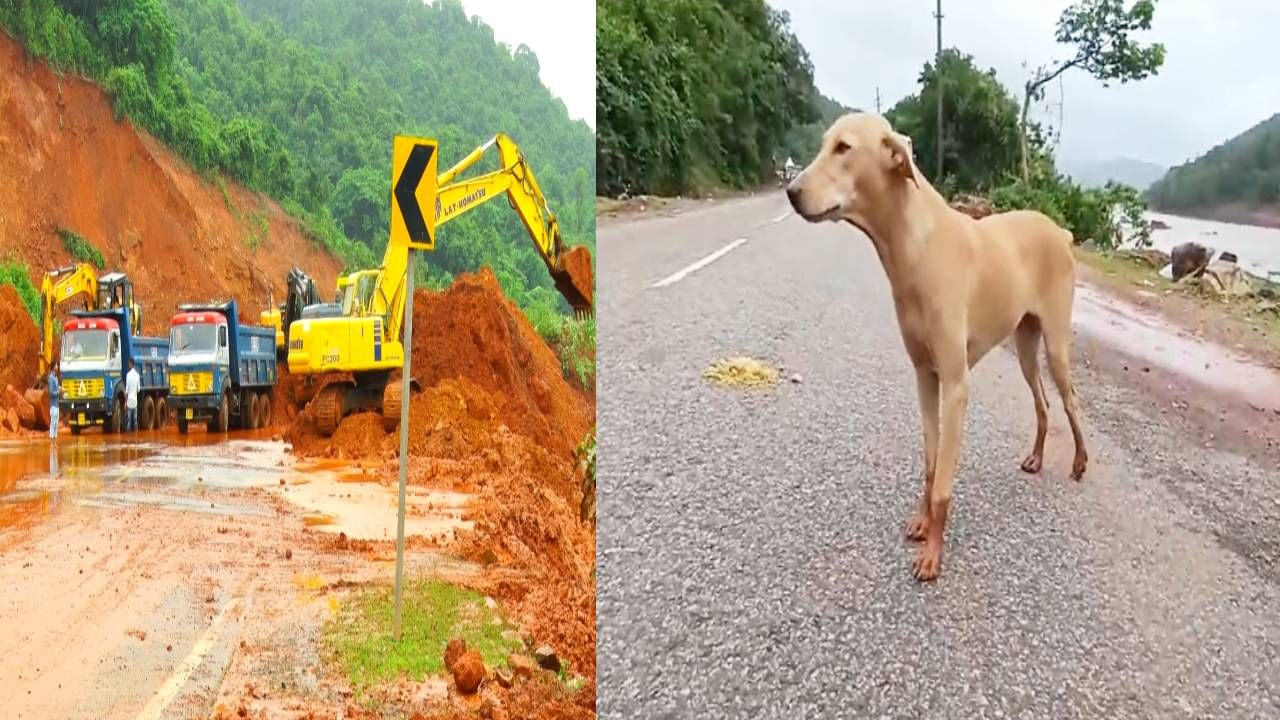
132	570
751	557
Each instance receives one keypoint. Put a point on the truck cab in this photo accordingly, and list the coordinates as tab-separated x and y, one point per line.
96	349
220	372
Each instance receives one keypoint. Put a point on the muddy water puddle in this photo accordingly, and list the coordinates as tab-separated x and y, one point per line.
1144	335
348	502
37	476
200	473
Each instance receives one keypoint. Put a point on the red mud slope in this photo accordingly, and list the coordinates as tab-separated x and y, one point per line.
66	162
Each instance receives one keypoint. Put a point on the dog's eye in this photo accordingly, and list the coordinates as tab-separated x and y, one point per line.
842	147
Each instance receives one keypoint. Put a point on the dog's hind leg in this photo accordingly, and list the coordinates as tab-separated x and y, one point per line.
1057	346
927	390
1027	338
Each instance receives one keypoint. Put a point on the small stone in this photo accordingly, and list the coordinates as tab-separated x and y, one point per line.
504	677
546	658
490	603
797	378
521	666
288	554
468	672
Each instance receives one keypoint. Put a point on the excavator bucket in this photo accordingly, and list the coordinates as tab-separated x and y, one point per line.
574	279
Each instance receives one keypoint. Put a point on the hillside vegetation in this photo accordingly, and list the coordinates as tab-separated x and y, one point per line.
1243	170
300	101
695	95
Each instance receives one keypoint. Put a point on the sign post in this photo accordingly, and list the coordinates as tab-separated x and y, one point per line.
413	183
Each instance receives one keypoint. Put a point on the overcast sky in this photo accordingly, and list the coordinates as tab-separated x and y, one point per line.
561	34
1215	83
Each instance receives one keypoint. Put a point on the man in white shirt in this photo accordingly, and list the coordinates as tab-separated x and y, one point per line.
131	383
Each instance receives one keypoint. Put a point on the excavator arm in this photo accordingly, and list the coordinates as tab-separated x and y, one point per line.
570	269
58	287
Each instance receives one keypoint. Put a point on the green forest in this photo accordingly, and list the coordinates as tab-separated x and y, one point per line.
691	95
1245	169
300	100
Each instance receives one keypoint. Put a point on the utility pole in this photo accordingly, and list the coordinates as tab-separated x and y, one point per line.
877	110
937	73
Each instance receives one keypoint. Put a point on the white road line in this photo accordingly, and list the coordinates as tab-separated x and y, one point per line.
182	673
780	218
682	274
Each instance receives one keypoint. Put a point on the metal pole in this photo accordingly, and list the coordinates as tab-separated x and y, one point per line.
877	99
404	440
937	74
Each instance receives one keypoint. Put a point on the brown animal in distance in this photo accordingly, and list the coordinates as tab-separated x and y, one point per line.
960	287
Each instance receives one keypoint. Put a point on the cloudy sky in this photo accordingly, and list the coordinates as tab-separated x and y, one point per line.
1214	84
563	40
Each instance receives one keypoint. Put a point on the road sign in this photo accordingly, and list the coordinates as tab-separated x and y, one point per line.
413	192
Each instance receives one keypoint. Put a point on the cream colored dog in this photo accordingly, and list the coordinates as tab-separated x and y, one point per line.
960	287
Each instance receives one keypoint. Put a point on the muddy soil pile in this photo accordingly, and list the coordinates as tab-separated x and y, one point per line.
67	163
496	419
19	342
19	347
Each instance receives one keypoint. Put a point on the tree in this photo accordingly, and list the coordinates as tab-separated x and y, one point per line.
1100	32
981	124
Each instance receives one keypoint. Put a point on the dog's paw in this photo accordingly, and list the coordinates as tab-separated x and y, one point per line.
1032	463
928	564
1078	466
917	527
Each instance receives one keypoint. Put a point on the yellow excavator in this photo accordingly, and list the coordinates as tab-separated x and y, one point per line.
350	348
64	285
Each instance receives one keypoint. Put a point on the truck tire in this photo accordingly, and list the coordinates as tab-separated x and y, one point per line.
264	411
182	425
112	425
75	429
222	421
249	411
147	418
162	413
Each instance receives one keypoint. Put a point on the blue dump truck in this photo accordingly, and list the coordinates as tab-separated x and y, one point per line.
97	346
220	372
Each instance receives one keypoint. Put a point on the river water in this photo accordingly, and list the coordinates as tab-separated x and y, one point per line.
1258	248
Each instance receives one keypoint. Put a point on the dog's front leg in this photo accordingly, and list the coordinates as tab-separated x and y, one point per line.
954	381
927	390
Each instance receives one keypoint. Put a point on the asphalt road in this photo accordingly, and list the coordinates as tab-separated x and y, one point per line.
751	556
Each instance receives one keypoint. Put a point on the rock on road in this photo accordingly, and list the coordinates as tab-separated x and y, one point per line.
752	560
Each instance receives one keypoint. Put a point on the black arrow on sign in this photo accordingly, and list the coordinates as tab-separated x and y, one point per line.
407	186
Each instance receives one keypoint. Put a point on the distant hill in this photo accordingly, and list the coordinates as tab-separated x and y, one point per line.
1136	173
1243	172
801	141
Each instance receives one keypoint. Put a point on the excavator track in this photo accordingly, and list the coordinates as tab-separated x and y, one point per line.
327	409
391	399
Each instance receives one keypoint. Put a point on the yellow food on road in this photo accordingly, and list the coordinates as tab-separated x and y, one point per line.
742	372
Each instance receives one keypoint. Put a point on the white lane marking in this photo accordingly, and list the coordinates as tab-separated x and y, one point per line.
182	673
780	218
683	273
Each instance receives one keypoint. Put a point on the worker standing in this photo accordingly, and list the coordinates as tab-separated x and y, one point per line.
54	395
131	383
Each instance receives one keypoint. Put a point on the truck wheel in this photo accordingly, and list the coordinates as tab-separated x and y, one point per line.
264	411
113	424
249	411
222	421
182	425
162	413
75	429
147	418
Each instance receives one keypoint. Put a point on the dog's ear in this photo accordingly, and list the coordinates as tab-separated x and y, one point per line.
898	148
